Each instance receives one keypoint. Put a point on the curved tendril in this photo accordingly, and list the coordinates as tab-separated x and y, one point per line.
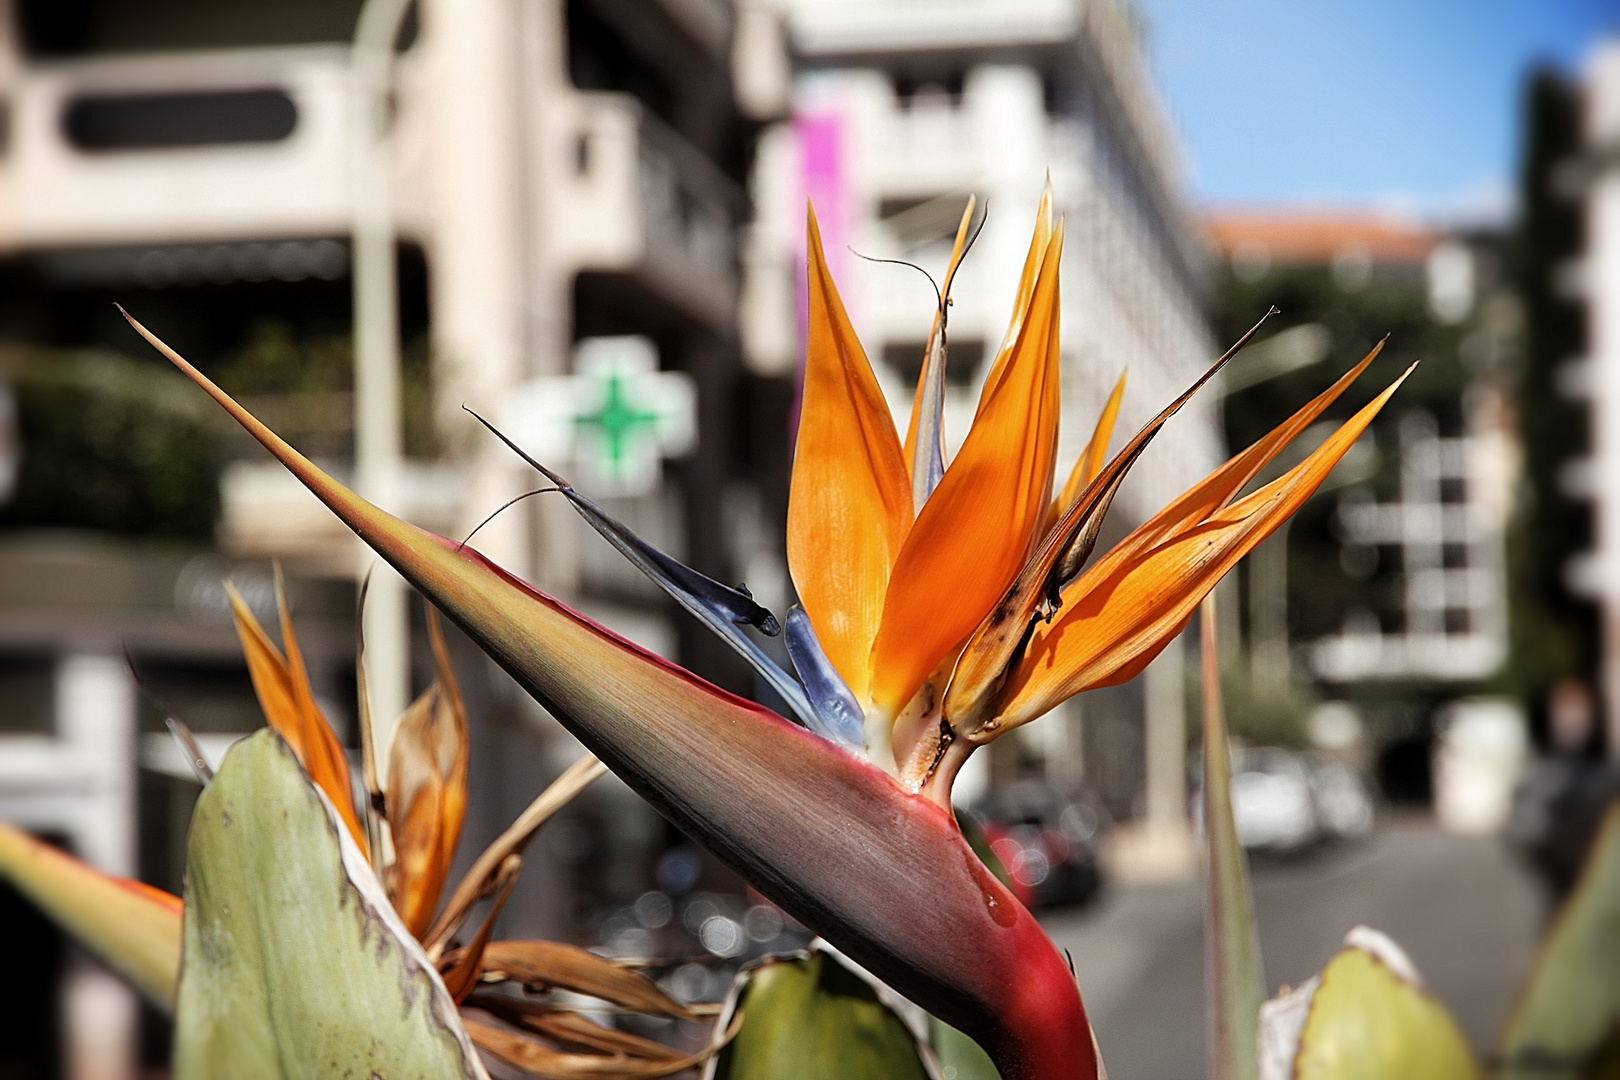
938	296
507	505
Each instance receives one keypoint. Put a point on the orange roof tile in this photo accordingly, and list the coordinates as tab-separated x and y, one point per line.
1305	236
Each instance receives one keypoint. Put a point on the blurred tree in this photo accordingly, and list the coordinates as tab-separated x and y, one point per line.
113	444
126	446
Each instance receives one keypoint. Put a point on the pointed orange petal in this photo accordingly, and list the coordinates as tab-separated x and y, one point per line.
1218	488
1120	613
289	706
1056	561
1038	244
850	504
974	534
1091	459
928	400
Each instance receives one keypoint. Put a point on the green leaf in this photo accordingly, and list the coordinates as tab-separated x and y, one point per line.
295	964
811	1018
1366	1017
960	1058
1567	1022
1231	947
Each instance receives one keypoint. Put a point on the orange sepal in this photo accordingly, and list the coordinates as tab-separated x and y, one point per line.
850	504
1218	488
289	706
1045	224
1091	459
1120	613
973	535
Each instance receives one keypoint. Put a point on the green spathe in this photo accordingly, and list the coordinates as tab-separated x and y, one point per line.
1568	1016
294	963
811	1018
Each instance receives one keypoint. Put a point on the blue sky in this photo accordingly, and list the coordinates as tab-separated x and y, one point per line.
1412	106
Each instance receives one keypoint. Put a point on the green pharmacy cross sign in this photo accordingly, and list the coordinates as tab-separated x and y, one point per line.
613	421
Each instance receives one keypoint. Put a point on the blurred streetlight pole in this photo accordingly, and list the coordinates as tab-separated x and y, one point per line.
378	439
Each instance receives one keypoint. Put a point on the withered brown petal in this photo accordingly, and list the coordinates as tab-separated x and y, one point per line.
574	779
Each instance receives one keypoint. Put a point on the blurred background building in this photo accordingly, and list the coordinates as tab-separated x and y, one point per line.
559	173
591	223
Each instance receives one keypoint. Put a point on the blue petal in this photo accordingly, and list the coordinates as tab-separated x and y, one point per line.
839	715
720	608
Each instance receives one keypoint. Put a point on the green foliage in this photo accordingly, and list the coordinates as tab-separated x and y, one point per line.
1356	315
811	1018
1261	713
1567	1022
1554	632
959	1057
294	963
113	444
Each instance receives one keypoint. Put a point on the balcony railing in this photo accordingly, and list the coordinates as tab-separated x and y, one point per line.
628	195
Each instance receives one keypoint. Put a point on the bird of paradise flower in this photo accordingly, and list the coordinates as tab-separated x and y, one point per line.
944	604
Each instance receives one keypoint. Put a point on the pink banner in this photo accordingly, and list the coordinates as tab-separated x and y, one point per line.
822	183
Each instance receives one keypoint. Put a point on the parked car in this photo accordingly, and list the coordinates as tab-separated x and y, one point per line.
1284	801
1046	839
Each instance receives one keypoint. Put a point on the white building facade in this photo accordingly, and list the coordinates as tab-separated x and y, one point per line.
1600	282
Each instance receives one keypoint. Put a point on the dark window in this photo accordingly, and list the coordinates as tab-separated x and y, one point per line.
55	28
962	360
599	58
150	121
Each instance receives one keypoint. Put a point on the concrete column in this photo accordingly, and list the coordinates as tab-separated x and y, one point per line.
475	253
95	715
1166	742
550	164
378	427
1008	119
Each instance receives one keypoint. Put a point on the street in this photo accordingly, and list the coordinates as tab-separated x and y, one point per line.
1463	908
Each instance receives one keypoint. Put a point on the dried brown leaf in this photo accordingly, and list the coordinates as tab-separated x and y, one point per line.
569	967
539	1060
574	779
